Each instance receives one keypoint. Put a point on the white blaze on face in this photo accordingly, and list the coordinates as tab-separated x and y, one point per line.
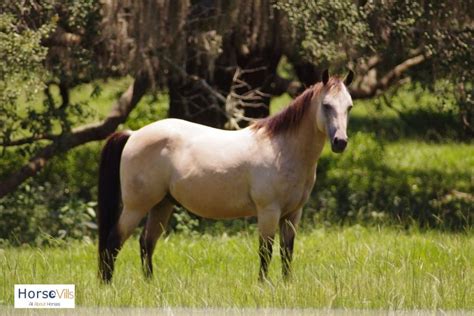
335	107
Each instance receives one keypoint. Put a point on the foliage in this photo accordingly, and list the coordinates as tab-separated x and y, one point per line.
59	203
390	32
152	109
35	215
327	30
185	223
34	61
71	38
333	268
21	69
357	29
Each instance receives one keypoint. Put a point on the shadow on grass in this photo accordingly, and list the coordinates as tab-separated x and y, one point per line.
371	192
417	125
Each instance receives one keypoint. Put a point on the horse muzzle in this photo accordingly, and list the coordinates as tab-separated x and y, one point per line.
338	144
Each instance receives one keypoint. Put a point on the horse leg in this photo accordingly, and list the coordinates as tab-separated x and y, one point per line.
288	226
128	221
267	225
156	224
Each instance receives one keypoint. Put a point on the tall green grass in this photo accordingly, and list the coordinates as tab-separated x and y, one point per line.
364	268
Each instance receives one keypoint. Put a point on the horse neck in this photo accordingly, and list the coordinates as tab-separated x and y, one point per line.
305	142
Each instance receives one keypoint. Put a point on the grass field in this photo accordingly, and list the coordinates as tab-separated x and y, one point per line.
352	267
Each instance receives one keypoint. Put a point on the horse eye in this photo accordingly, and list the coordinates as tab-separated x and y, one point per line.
326	106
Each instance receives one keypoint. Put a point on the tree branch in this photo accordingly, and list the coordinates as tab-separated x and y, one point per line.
81	135
28	140
62	38
64	92
202	83
387	80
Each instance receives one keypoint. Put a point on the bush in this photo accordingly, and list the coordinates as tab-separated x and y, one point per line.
29	216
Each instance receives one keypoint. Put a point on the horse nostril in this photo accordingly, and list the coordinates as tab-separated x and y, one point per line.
339	142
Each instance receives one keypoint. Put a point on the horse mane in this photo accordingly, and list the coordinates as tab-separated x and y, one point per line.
290	117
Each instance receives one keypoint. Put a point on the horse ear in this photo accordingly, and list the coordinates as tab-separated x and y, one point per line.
325	77
349	78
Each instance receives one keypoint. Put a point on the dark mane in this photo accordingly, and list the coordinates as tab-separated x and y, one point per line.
290	117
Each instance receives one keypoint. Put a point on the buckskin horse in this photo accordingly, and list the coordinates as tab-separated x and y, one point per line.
266	170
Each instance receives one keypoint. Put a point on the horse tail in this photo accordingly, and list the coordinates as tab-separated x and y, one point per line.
109	189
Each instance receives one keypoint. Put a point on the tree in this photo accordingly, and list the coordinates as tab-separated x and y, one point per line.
217	60
46	44
387	42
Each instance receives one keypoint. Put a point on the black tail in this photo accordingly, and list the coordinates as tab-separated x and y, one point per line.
109	194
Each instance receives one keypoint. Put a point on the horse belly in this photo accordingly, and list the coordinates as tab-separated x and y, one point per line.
216	197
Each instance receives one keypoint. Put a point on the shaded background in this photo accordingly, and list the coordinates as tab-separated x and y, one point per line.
72	72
